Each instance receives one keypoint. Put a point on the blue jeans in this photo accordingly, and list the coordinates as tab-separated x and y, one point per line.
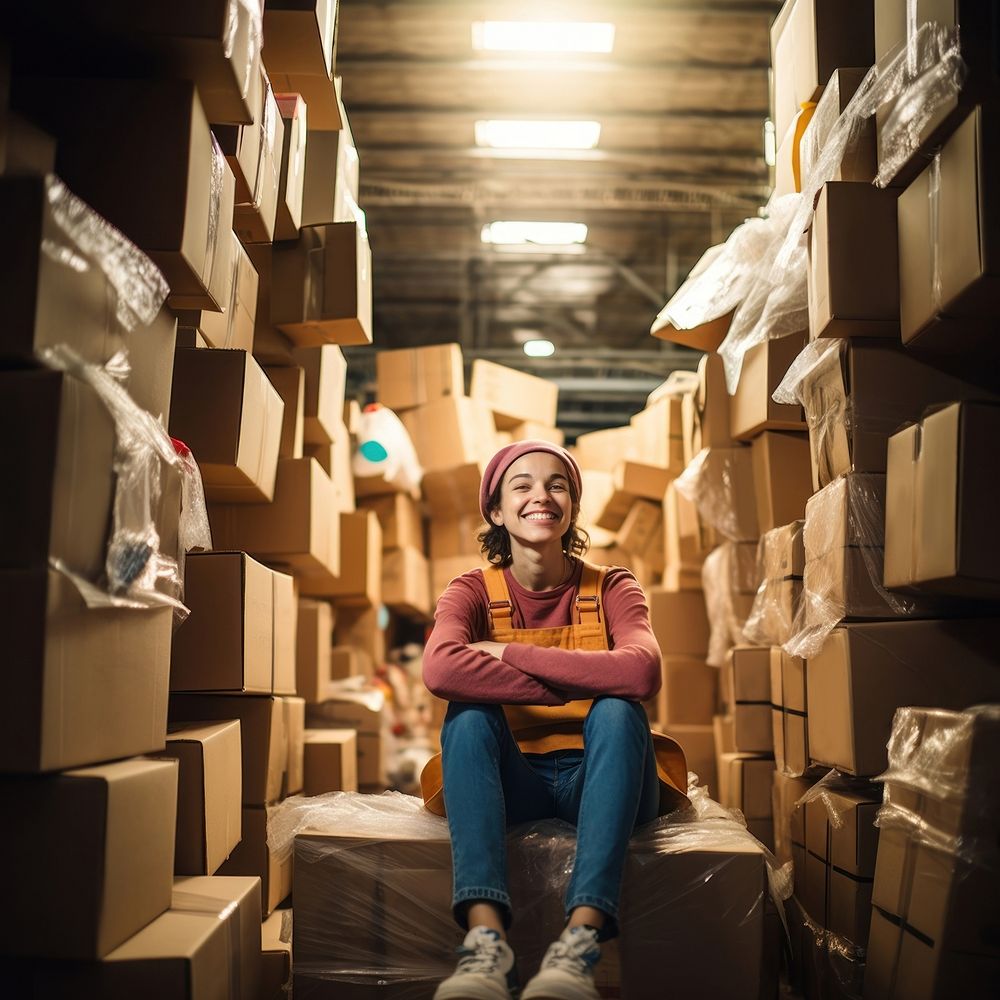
605	790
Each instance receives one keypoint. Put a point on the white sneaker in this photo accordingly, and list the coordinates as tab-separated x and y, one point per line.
485	971
567	971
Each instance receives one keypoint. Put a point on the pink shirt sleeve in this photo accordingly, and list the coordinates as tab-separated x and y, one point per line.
456	673
630	669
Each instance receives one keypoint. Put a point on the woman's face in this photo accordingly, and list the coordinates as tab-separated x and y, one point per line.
535	503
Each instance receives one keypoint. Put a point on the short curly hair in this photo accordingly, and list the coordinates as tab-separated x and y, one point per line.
494	539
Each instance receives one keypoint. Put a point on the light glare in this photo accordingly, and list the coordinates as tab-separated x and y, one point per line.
508	233
539	348
499	134
543	36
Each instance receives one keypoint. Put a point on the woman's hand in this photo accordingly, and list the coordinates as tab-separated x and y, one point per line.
493	648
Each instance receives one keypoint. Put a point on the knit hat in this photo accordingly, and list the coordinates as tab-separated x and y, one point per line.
509	454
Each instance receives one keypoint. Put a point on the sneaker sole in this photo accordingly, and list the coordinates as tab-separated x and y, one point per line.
469	991
564	990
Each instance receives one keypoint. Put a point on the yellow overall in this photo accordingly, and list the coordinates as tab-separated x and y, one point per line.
543	728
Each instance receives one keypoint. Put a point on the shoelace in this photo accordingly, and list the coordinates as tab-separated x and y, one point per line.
578	956
485	957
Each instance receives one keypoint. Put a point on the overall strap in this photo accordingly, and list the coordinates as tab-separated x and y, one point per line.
499	608
588	596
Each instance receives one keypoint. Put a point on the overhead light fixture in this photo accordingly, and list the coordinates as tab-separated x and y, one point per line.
543	36
552	234
770	144
539	348
538	134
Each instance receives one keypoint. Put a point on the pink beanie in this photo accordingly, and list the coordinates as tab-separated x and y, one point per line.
509	454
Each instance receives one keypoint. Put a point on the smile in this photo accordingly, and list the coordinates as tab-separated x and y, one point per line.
541	515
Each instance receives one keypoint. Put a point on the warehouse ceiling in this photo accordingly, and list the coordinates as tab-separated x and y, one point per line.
681	100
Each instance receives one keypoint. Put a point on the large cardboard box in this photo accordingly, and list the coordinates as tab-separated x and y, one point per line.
782	478
688	694
358	625
84	902
49	301
949	235
312	651
940	529
454	537
749	681
443	571
745	781
184	228
228	413
330	153
254	857
809	40
751	409
209	790
406	582
866	670
513	396
723	491
853	262
284	633
601	451
276	958
360	578
326	380
640	527
705	421
290	385
331	761
299	528
226	643
679	621
658	434
60	458
295	727
687	540
263	737
292	163
400	519
531	430
419	375
451	432
89	685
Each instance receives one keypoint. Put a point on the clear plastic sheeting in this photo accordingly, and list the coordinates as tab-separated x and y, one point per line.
833	792
373	897
244	25
679	383
138	572
779	568
727	606
942	782
836	965
90	241
384	449
719	482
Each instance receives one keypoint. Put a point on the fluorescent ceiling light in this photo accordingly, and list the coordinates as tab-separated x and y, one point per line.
543	36
770	144
539	348
501	134
538	233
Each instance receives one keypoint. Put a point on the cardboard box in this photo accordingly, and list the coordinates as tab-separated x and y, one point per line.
859	159
312	650
299	528
416	376
679	622
747	783
335	460
284	632
228	413
276	958
253	857
809	40
360	579
91	684
782	478
705	421
349	661
358	626
326	380
658	434
698	743
789	817
264	741
62	465
443	571
209	790
295	727
406	582
687	540
226	643
749	670
455	537
184	228
531	430
601	451
47	301
866	670
751	409
331	761
451	432
290	385
120	868
939	533
513	396
400	520
254	154
640	526
151	359
291	174
724	493
688	694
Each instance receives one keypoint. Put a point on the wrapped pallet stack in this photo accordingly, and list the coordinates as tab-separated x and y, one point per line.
862	393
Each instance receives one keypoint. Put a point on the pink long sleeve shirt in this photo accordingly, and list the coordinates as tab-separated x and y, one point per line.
535	675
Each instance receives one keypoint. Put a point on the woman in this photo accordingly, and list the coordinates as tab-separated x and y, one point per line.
544	660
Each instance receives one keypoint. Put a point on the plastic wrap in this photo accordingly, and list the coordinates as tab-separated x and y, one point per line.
219	168
244	24
942	781
678	383
694	883
728	599
836	965
719	482
843	538
385	449
780	563
138	572
91	241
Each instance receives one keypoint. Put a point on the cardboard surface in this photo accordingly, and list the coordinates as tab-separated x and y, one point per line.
658	434
406	582
295	725
284	633
292	161
415	376
289	383
326	378
400	519
85	901
679	621
688	694
451	432
226	643
331	761
782	478
91	685
601	451
859	160
263	737
513	396
228	413
360	579
751	409
209	789
312	650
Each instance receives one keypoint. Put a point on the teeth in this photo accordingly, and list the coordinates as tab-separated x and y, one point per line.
541	517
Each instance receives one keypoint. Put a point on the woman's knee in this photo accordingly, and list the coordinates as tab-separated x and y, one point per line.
471	720
617	713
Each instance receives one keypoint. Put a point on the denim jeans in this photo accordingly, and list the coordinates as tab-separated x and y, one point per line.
605	790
